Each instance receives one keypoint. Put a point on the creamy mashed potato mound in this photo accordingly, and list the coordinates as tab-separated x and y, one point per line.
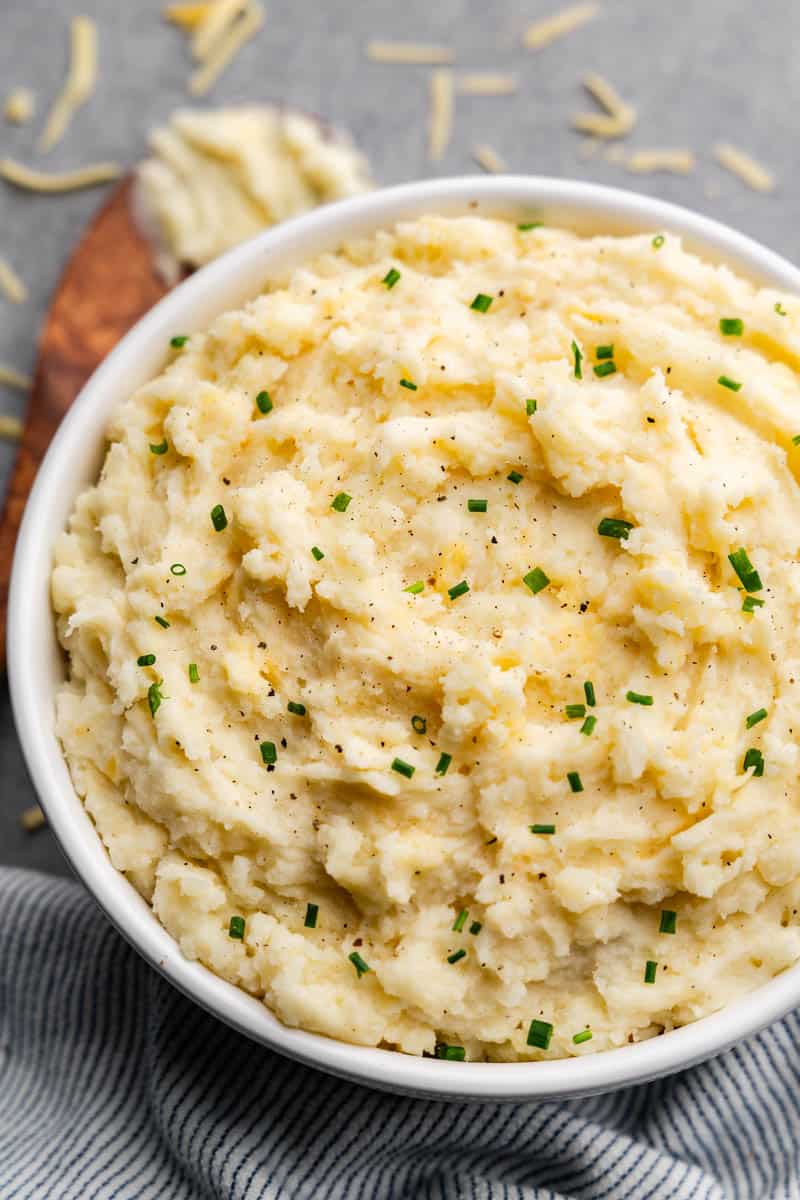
284	620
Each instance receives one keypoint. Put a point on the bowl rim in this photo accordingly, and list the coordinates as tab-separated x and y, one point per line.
33	672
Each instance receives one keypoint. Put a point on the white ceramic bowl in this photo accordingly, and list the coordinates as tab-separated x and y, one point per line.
36	665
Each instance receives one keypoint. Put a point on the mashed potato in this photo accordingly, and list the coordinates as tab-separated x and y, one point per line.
403	629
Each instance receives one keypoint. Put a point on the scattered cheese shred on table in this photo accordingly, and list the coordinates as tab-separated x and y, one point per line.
10	427
680	162
744	167
11	284
619	117
19	106
58	181
489	159
543	32
441	119
188	16
80	82
32	819
226	48
412	53
11	377
484	83
212	29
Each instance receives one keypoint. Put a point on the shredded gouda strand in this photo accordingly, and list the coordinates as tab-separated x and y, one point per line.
441	120
681	162
19	106
489	159
484	83
744	167
210	32
58	181
619	117
32	819
11	284
10	427
227	48
412	53
542	33
79	84
188	16
13	378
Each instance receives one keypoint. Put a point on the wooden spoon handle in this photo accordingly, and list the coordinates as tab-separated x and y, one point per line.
109	282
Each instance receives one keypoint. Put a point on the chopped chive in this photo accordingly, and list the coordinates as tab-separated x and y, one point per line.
585	1035
588	691
604	352
236	928
733	385
406	383
264	403
475	928
542	829
650	969
780	310
754	718
751	603
526	226
731	326
443	763
146	660
754	758
269	755
536	580
588	725
312	912
391	278
460	920
162	621
639	698
669	921
317	553
340	502
159	447
359	964
154	698
179	341
218	518
403	768
415	588
449	1053
658	241
481	303
539	1034
614	527
419	724
575	711
514	477
574	781
296	709
178	569
194	674
530	407
748	575
796	440
477	505
577	360
456	956
605	368
458	589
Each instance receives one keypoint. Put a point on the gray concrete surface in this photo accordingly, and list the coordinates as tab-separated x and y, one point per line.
698	72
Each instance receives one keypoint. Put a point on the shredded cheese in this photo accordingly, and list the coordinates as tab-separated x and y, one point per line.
744	167
19	106
188	16
80	82
58	181
411	53
484	83
681	162
11	284
489	159
13	378
226	49
619	117
32	819
210	32
10	427
542	33
441	119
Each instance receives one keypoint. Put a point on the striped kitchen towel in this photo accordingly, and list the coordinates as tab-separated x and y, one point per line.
113	1085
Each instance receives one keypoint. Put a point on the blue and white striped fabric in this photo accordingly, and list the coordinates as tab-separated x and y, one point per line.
112	1085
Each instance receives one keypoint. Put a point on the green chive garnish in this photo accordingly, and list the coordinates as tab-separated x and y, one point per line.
539	1034
588	725
526	226
296	709
481	303
415	588
732	384
269	755
312	912
390	278
530	407
146	660
154	698
459	589
475	928
236	928
578	359
477	505
731	326
403	768
748	575
264	403
449	1053
456	956
544	830
162	621
574	781
419	724
605	368
604	352
443	763
658	241
406	383
218	518
340	502
585	1035
669	921
359	964
639	698
536	580
780	310
614	527
178	569
460	920
317	553
754	758
179	341
194	674
650	971
751	603
759	715
159	448
796	440
575	711
588	691
514	477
